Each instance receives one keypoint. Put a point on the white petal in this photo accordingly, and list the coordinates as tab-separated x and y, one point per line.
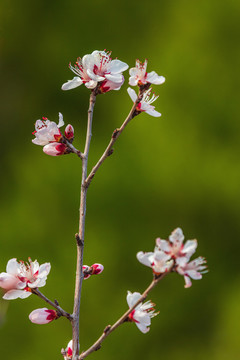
153	113
142	328
91	84
14	294
60	122
145	258
8	281
118	66
177	236
133	71
132	94
116	78
44	270
189	248
132	298
163	245
194	274
94	76
13	267
155	79
71	84
188	282
133	81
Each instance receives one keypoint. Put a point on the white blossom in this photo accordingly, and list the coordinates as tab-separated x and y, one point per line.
142	313
175	246
193	269
157	260
21	277
139	75
96	68
145	103
47	131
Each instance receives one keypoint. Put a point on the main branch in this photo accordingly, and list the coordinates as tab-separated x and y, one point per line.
80	237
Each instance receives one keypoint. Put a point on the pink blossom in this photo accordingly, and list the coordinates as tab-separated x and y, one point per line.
193	269
175	246
97	68
43	316
142	313
139	75
157	260
21	277
145	103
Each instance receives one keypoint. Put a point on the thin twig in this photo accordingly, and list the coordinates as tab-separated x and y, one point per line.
80	237
53	304
109	149
72	148
109	329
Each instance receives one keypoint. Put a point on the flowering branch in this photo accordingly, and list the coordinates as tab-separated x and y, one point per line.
54	304
109	329
80	235
116	133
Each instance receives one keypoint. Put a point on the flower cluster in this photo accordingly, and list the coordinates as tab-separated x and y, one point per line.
20	278
173	254
97	69
47	134
95	269
142	313
139	76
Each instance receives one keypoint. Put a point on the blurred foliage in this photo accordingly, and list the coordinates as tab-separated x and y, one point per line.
178	170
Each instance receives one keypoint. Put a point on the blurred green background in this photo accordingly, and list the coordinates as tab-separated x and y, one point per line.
178	170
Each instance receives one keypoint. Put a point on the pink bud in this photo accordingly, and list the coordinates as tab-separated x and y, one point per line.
42	316
69	132
97	269
86	269
55	149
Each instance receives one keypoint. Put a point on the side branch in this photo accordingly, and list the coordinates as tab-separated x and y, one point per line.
115	135
109	329
53	304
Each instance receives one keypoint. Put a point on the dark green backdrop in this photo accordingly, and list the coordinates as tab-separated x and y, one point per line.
178	170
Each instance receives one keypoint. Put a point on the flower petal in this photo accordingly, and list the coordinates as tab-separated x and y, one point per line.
132	94
154	78
14	294
118	66
13	267
71	84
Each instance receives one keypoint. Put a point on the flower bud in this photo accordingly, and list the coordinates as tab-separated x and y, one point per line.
55	149
69	132
97	269
43	316
86	271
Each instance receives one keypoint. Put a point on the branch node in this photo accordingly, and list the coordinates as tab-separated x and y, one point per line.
110	152
79	241
107	328
115	133
56	302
